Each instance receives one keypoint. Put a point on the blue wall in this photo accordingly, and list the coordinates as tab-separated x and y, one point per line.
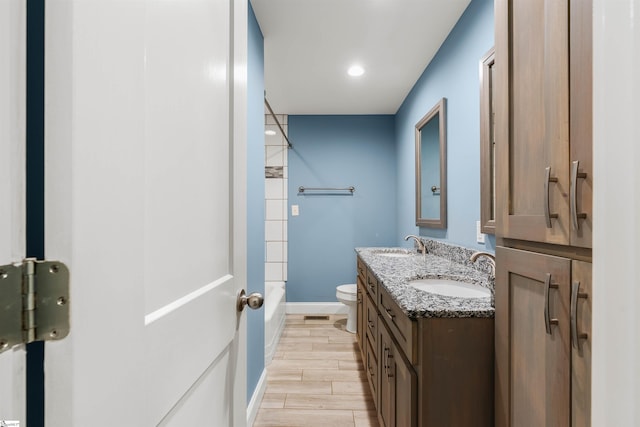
452	74
255	200
338	151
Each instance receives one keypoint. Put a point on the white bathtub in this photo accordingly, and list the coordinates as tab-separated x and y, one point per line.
274	316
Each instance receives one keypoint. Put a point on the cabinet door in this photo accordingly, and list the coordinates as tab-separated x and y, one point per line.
371	367
360	313
532	339
398	384
581	122
581	297
385	383
404	389
532	120
371	323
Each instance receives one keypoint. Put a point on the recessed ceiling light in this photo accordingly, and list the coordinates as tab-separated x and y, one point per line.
355	71
269	132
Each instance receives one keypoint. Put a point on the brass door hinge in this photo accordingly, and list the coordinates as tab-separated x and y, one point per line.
34	302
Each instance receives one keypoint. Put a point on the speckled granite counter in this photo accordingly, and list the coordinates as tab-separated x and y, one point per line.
395	272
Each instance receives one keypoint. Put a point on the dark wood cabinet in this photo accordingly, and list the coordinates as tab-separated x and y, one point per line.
360	307
543	121
398	384
539	375
422	371
581	343
544	182
360	311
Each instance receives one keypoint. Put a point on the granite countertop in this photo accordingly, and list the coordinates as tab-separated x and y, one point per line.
394	274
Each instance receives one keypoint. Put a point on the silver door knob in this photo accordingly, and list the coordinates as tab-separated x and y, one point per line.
254	300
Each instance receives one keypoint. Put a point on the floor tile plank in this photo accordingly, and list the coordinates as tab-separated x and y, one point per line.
316	378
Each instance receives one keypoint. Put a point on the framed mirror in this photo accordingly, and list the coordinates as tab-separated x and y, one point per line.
487	145
431	168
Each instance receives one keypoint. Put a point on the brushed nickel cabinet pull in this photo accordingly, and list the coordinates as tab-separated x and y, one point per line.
575	336
547	179
389	313
548	321
575	175
385	359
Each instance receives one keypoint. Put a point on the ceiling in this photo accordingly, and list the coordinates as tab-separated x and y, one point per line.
309	45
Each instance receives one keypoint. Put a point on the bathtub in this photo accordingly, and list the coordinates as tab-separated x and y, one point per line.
274	317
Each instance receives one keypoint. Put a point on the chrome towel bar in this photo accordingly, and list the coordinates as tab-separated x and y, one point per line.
302	189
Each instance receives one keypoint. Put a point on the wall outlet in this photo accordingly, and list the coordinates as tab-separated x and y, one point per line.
295	210
479	233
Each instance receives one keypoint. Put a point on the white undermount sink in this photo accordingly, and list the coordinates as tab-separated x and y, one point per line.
450	288
393	253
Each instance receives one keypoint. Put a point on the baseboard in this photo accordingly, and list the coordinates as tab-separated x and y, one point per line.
256	398
316	308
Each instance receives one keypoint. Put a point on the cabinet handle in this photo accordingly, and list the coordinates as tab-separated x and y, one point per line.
575	336
548	321
385	359
575	175
371	286
547	179
389	312
389	370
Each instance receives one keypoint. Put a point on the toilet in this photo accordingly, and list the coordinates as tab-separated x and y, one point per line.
347	294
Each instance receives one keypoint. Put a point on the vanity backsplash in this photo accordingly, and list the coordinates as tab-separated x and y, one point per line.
455	253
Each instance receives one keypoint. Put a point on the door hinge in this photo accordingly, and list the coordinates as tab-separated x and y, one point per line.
34	302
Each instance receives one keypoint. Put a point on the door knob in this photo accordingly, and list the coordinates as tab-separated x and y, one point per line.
254	300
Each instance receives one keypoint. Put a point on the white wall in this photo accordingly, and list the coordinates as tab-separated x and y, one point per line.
616	255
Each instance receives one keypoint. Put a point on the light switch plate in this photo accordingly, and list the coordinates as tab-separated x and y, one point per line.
479	233
295	210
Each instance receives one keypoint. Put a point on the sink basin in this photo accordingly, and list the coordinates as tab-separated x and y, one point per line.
451	288
393	253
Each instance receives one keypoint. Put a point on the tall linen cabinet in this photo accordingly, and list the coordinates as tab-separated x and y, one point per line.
544	179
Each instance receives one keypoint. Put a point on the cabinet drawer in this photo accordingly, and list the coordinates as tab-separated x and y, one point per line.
402	328
362	270
371	322
372	285
371	368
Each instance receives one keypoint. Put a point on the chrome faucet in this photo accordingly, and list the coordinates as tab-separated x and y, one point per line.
422	249
490	257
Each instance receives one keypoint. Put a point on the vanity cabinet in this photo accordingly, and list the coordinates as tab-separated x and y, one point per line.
544	121
543	354
425	372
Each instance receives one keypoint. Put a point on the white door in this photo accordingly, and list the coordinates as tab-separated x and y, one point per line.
145	203
12	183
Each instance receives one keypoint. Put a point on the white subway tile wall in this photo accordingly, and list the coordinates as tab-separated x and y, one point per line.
276	204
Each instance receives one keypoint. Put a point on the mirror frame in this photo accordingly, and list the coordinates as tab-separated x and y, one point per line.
440	109
487	144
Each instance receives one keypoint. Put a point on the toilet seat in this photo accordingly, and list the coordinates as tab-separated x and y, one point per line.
347	292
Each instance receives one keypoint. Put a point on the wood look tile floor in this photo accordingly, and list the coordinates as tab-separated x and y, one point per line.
316	378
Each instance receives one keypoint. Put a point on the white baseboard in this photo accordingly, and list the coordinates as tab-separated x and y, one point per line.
316	308
256	398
